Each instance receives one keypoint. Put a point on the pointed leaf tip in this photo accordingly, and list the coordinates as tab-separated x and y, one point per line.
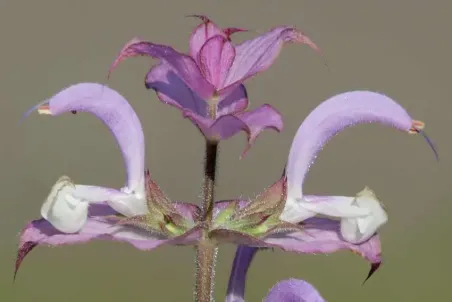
24	249
373	268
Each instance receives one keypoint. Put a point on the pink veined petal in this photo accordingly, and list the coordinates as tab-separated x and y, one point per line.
252	122
237	279
203	32
258	54
40	232
322	235
183	65
291	290
116	113
331	117
173	91
215	58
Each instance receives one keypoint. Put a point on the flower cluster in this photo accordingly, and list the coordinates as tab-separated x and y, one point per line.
207	85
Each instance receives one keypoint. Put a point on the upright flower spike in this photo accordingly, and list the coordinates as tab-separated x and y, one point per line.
74	213
207	85
361	215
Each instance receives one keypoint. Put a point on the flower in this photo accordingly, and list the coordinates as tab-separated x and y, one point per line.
139	213
360	216
283	291
206	84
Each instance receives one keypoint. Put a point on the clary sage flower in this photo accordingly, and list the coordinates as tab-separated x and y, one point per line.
207	86
211	76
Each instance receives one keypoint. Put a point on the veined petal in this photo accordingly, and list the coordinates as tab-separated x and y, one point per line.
252	122
173	91
292	290
323	235
215	58
116	113
66	207
258	54
203	32
331	117
183	65
97	227
237	280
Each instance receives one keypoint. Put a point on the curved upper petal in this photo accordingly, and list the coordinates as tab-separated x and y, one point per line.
97	227
183	65
292	290
331	117
258	54
116	113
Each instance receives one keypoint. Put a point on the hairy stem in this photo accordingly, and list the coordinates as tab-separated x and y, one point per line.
206	249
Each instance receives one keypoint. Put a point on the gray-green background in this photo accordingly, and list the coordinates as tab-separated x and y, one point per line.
400	47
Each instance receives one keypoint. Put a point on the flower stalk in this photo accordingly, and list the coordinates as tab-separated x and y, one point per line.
207	249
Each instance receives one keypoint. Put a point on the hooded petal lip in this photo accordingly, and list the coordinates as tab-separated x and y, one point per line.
116	113
331	117
99	227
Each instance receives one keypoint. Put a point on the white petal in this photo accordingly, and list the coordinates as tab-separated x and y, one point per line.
66	213
129	203
357	230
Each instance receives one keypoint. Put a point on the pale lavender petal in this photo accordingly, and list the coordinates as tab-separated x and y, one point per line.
331	117
215	58
322	236
237	280
258	54
183	65
173	91
252	122
203	32
293	290
235	102
97	227
116	113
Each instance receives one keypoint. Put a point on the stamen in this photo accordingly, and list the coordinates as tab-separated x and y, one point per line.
44	109
417	128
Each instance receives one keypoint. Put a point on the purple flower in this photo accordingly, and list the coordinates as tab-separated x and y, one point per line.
359	217
206	85
284	291
75	213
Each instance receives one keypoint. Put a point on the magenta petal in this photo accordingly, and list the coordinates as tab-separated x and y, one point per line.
237	280
184	66
173	91
116	113
215	58
292	290
322	235
258	54
252	122
40	232
331	117
203	32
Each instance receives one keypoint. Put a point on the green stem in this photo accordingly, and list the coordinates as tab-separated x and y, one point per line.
206	249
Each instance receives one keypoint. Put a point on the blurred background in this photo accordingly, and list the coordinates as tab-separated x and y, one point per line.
401	48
